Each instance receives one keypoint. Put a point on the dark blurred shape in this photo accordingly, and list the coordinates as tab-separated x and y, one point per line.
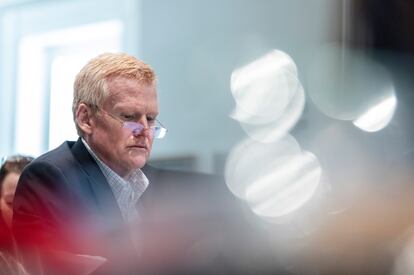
10	170
383	25
368	234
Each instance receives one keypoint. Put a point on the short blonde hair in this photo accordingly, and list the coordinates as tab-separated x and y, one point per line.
91	86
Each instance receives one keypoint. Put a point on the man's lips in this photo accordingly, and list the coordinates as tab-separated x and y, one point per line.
140	146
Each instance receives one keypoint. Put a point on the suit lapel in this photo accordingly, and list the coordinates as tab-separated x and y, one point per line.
102	192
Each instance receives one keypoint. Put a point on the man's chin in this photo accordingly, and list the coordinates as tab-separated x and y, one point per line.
138	163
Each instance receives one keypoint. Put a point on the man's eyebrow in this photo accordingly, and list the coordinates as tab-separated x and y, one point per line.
138	113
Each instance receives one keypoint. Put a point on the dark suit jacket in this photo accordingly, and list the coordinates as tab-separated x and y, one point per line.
64	208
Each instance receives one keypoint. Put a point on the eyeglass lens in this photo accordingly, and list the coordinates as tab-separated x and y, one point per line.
137	128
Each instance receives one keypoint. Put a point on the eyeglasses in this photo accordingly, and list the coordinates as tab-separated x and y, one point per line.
157	131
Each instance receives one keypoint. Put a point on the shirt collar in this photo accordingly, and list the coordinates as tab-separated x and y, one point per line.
136	180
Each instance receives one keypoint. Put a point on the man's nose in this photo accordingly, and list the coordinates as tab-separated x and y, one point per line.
145	130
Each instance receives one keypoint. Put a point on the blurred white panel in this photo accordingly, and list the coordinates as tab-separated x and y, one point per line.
95	39
55	57
30	98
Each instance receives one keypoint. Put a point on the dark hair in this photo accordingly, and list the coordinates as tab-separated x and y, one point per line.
13	164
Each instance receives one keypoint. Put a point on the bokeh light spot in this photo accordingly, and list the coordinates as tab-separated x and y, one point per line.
249	156
270	132
285	185
265	87
378	116
344	83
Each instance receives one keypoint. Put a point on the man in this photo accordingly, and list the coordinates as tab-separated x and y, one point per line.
80	208
77	198
94	206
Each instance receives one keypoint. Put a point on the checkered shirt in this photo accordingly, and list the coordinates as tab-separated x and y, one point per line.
127	190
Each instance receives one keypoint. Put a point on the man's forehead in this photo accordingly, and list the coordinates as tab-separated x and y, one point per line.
129	81
122	87
133	96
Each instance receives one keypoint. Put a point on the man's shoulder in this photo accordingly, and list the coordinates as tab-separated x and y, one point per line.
56	154
57	161
63	156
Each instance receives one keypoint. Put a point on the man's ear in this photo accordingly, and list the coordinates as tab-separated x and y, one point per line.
84	118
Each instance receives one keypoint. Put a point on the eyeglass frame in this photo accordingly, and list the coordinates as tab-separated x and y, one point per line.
153	129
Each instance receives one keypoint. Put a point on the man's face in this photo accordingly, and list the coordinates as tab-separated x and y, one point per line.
117	146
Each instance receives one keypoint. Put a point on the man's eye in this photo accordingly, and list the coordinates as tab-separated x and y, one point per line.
150	120
128	117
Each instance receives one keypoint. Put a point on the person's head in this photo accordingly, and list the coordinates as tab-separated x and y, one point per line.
9	175
112	93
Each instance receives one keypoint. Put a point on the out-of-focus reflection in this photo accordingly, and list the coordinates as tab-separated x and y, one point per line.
404	262
377	117
344	155
345	84
323	191
284	184
269	96
270	132
270	171
369	238
248	158
265	86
